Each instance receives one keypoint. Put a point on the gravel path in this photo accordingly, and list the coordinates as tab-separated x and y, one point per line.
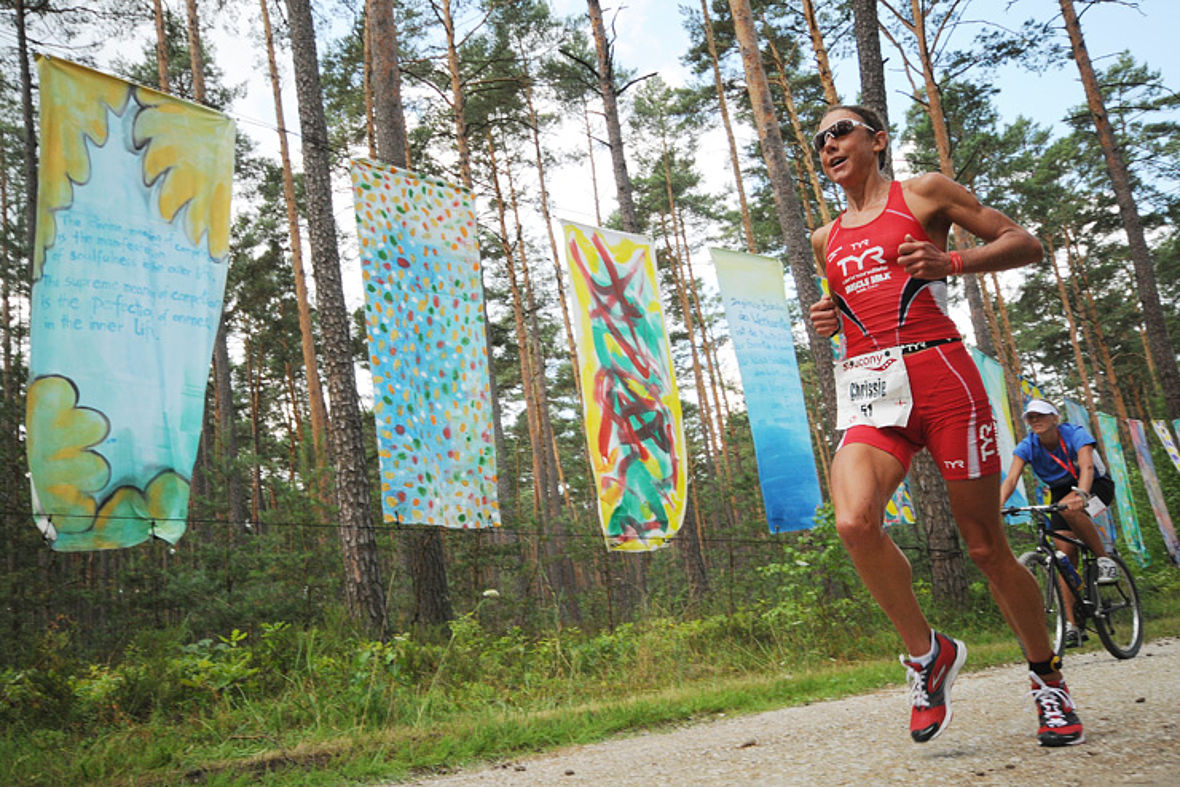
1131	710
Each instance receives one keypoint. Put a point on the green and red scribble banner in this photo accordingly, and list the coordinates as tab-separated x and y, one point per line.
634	425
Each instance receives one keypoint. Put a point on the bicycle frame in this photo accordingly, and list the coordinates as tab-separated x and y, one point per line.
1112	609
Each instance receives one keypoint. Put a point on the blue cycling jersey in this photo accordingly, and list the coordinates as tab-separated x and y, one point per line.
1054	466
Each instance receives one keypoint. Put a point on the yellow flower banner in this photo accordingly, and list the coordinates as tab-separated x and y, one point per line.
128	277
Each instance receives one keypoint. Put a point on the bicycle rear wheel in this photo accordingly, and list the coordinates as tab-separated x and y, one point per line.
1118	617
1041	566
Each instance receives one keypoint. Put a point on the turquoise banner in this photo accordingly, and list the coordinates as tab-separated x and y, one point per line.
1154	493
1124	503
425	325
128	276
993	381
1076	414
760	327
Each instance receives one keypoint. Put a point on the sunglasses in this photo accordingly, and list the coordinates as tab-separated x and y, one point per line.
840	128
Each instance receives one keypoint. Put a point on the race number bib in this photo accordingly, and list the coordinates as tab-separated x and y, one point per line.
873	390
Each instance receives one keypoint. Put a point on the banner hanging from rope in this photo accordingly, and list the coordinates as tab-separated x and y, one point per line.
129	272
760	328
1161	430
1154	493
1076	414
424	317
634	425
997	393
1124	503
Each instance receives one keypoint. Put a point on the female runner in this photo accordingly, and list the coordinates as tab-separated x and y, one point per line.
908	383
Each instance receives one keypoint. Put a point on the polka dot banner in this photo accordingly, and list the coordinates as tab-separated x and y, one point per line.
424	319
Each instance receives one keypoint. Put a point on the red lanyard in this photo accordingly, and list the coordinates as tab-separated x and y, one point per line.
1067	465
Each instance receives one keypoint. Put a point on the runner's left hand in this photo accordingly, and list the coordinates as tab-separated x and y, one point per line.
923	260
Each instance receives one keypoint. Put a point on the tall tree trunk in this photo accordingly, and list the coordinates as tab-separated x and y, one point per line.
364	591
1159	344
610	106
723	106
948	577
315	393
367	80
462	147
872	66
1103	348
790	215
804	146
425	555
933	105
161	48
926	484
1079	361
549	464
226	437
593	166
30	133
821	54
196	57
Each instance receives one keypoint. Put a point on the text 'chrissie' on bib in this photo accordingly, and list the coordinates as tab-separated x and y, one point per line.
873	390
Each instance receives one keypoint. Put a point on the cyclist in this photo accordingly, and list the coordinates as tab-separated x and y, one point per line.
1063	456
887	267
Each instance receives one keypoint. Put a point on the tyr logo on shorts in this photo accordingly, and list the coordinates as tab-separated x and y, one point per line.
987	441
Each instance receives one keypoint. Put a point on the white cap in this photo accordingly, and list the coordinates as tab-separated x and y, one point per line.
1040	406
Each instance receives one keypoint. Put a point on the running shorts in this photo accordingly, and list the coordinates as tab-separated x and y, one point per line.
1102	487
951	417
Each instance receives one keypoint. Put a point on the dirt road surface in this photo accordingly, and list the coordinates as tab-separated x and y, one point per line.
1131	710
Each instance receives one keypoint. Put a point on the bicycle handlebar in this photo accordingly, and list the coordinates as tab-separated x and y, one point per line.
1045	509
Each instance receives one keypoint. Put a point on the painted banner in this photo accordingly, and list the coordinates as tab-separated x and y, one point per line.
1124	502
1076	414
836	340
424	318
1161	430
900	508
128	277
993	381
634	425
1154	493
760	327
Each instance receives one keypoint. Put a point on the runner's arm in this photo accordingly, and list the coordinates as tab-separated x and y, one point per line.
939	202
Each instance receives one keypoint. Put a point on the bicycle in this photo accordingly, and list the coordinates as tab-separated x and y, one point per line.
1113	609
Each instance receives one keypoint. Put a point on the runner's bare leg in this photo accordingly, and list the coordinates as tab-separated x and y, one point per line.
863	479
1013	587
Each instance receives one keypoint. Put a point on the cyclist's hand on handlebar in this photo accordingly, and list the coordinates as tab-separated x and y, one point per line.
1073	502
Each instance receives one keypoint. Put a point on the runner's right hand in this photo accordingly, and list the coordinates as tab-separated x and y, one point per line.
823	316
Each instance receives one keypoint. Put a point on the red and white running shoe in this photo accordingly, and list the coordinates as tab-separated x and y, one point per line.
930	687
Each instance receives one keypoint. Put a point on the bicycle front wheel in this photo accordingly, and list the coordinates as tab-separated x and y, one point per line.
1118	617
1041	566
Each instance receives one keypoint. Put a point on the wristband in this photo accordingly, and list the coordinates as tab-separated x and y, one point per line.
1084	495
956	262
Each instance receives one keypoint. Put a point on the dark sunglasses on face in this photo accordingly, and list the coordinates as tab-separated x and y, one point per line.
838	129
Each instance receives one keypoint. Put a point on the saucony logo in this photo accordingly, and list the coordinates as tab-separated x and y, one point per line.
936	680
